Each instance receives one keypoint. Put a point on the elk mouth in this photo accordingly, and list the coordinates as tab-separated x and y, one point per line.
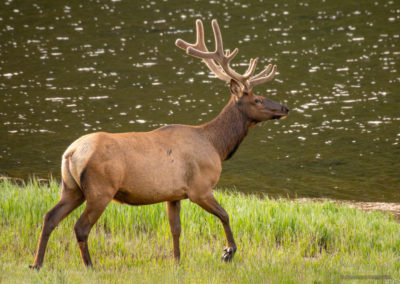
280	114
283	116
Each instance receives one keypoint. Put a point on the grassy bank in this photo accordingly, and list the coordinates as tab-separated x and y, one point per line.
278	240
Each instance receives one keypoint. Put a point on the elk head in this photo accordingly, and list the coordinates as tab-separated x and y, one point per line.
256	108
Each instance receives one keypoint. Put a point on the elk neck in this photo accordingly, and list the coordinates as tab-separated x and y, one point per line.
227	130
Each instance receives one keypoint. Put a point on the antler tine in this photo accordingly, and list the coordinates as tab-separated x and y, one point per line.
200	35
219	47
262	73
252	68
229	56
260	78
200	43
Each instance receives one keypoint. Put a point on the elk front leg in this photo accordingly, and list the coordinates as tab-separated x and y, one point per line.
173	211
211	205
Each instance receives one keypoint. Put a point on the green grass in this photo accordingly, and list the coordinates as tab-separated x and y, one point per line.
278	241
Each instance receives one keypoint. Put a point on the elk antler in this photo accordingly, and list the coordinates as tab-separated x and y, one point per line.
218	61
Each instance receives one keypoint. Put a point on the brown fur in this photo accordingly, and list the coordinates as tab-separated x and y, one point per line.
164	165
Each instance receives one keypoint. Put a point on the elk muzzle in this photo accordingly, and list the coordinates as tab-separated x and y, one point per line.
276	110
284	111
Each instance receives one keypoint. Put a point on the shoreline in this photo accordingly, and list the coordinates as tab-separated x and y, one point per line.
390	207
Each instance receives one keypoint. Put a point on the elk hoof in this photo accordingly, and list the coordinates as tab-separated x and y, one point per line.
34	266
177	259
228	254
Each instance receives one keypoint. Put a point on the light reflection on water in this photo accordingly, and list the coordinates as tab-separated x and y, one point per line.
71	69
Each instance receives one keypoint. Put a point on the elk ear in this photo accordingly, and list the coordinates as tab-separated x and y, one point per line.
235	88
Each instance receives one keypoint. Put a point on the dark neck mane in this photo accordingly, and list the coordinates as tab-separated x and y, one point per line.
227	130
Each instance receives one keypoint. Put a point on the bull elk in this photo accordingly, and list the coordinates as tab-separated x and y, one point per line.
168	164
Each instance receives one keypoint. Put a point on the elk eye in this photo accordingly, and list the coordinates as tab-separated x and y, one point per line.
258	101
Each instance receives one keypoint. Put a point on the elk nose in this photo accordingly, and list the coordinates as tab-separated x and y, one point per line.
285	109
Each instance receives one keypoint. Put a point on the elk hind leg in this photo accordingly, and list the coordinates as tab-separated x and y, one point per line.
70	199
94	209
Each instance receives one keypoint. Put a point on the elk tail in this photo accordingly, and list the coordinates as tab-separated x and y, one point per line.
68	179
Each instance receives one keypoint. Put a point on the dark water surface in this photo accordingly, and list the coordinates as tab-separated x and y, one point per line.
67	69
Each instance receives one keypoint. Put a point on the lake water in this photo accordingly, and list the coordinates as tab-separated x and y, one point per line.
67	69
